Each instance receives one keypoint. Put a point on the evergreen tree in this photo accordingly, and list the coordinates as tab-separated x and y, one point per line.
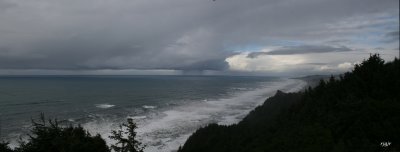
4	147
49	136
125	138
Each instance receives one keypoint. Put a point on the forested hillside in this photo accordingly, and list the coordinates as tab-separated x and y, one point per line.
358	111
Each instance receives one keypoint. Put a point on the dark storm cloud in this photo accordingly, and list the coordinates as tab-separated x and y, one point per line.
218	64
316	63
159	34
340	41
4	5
303	49
392	37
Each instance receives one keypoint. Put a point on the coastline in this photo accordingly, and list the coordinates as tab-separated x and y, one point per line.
184	120
318	118
291	88
304	83
225	111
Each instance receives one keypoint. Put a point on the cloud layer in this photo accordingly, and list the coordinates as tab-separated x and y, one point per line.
93	35
302	49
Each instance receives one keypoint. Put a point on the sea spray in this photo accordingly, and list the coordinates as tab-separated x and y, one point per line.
168	128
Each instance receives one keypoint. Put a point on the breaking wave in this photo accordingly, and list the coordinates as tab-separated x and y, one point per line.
165	129
104	106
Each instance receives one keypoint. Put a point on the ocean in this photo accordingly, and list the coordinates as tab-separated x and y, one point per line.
167	109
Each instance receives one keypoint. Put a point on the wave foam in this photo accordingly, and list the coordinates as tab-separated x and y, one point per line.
137	117
149	107
104	106
167	129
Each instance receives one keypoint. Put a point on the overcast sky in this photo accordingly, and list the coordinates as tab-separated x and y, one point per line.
233	37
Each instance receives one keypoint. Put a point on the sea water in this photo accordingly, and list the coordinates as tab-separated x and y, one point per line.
167	109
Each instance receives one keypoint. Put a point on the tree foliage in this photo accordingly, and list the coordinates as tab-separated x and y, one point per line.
4	147
125	138
49	136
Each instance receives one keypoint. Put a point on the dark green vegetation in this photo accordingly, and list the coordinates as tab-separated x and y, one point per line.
359	111
128	143
51	137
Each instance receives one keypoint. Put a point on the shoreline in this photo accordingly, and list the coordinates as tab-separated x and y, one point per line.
252	99
170	128
294	87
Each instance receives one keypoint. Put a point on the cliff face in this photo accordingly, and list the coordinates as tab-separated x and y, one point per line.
359	112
